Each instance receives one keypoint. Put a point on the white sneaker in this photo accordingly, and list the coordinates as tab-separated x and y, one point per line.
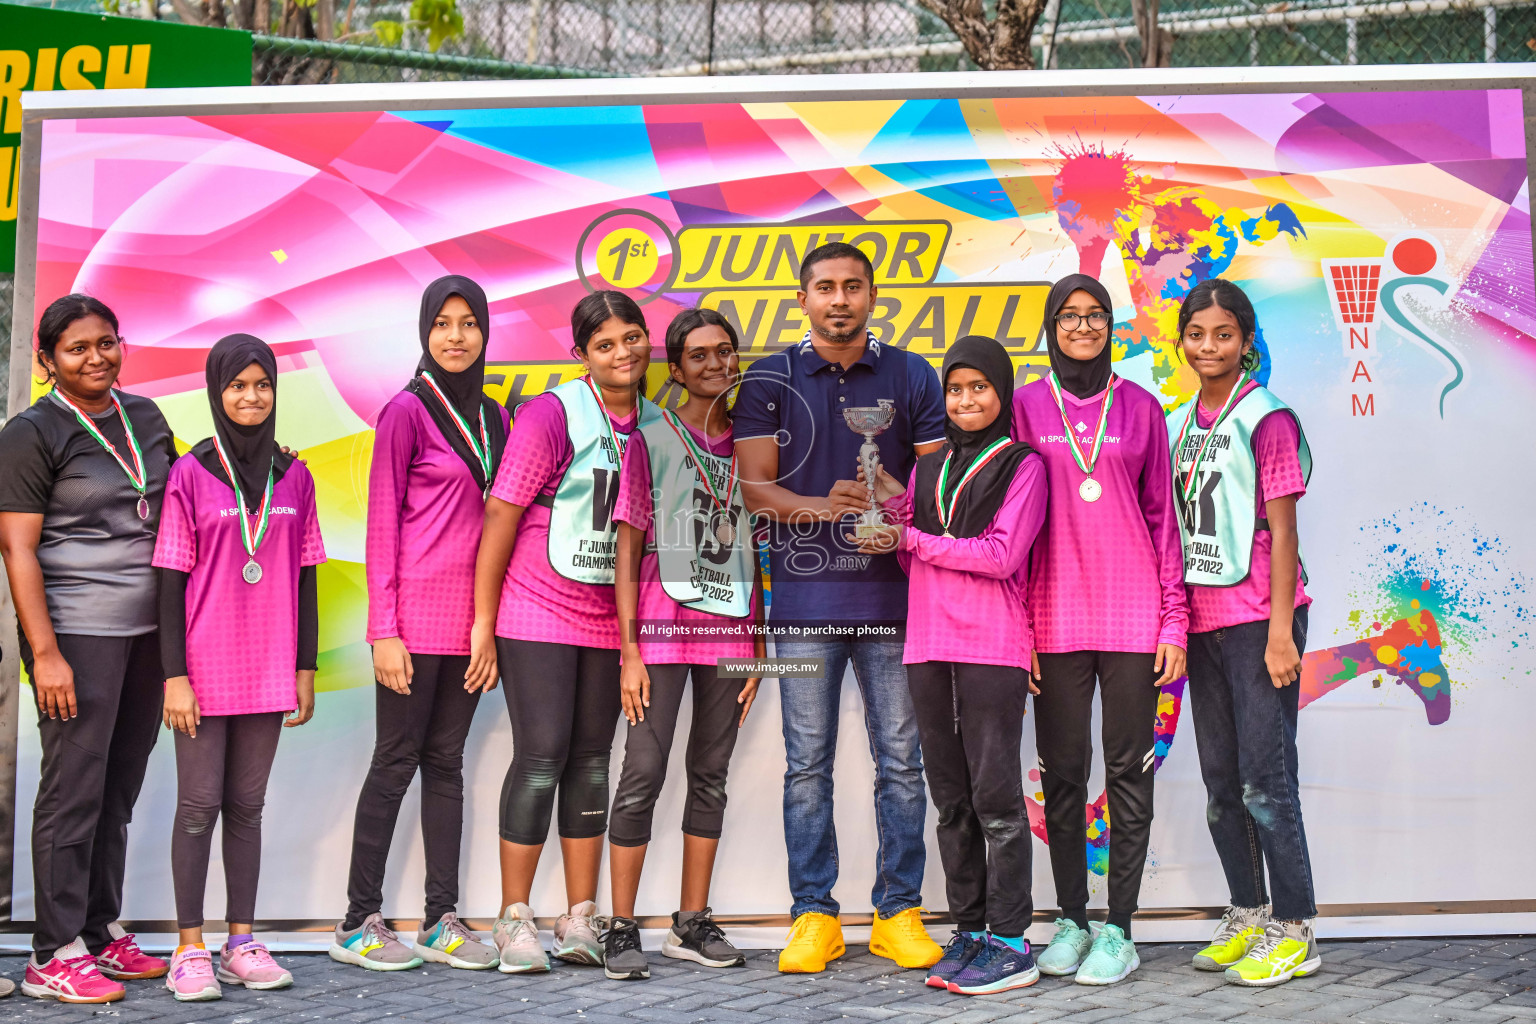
517	938
576	935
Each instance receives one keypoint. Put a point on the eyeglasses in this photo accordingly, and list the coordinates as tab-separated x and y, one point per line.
1098	320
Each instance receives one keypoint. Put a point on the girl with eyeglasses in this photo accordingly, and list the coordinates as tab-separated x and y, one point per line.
1106	597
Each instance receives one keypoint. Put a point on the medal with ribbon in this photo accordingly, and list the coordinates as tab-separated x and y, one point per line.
249	538
1090	489
947	515
136	471
597	396
1189	484
725	531
480	449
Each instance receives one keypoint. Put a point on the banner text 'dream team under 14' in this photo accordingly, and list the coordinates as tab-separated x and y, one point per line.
42	50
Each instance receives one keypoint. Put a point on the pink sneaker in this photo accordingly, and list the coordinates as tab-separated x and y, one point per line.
251	965
191	979
123	960
70	977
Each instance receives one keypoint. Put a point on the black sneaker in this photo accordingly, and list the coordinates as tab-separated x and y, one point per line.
623	959
695	936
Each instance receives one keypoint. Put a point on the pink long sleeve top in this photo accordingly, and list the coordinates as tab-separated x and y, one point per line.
966	599
424	517
1106	575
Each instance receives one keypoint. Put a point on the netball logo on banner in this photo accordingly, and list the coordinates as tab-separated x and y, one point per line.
1364	291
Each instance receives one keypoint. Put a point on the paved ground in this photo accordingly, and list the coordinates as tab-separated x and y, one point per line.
1392	982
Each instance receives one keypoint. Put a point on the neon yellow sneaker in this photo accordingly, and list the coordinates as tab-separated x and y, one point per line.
902	938
1240	929
814	940
1287	950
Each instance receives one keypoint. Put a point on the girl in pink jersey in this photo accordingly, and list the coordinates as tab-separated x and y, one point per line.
973	509
545	616
1241	461
435	451
681	498
239	629
1106	600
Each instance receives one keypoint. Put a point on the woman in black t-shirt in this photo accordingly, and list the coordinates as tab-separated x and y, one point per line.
85	470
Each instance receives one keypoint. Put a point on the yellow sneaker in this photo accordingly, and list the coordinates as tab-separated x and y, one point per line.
903	938
814	940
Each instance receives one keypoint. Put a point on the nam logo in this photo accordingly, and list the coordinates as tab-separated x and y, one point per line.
1366	292
750	273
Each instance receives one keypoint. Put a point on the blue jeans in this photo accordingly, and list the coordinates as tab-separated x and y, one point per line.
810	709
1246	731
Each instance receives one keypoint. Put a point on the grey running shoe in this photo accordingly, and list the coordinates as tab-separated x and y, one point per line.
576	934
695	936
623	959
517	937
450	942
372	945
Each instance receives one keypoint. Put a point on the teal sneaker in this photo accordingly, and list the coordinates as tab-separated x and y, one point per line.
1111	959
1068	947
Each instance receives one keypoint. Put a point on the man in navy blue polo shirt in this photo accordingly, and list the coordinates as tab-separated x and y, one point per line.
832	602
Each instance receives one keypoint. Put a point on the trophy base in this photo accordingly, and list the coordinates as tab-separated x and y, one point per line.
864	530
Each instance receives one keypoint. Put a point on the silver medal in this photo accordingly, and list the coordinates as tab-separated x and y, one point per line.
252	572
724	531
143	507
1089	489
948	535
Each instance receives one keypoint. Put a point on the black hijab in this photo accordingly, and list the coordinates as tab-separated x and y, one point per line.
983	496
251	450
1079	377
466	388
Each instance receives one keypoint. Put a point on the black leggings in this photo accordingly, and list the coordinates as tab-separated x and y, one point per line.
225	767
711	739
93	767
970	719
1064	741
563	701
423	729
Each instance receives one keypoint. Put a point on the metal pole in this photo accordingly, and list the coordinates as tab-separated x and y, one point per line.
1491	35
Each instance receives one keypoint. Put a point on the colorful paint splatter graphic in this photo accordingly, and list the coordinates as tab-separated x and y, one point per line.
317	231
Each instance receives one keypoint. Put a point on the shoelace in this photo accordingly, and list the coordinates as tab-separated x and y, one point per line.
1274	934
1062	926
1231	925
623	937
451	925
704	929
1111	942
958	943
197	961
912	924
989	951
82	964
518	929
380	931
815	924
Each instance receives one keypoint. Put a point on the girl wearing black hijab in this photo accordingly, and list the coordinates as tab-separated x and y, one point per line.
436	445
1108	611
238	545
966	523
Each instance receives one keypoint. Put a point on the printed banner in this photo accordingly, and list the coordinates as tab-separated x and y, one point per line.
1385	239
44	49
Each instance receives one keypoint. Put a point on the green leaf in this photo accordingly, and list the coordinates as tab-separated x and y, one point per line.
388	33
441	19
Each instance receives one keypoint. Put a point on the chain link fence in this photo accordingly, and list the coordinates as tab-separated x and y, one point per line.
528	38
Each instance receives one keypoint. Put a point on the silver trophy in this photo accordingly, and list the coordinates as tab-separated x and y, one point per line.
870	421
